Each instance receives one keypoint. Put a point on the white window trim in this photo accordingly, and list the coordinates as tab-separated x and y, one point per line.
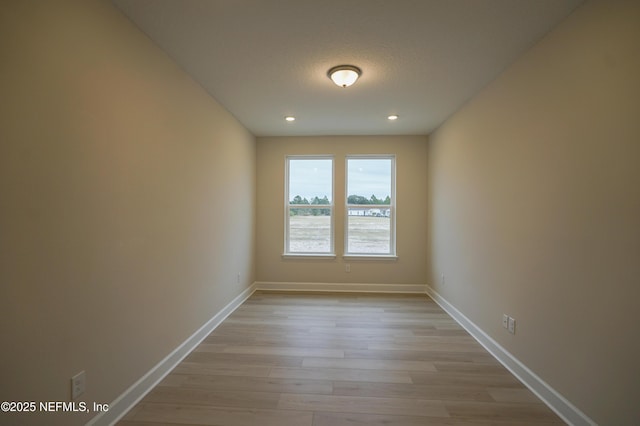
287	206
393	254
308	256
389	257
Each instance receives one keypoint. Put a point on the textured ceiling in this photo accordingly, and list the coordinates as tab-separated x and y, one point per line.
422	60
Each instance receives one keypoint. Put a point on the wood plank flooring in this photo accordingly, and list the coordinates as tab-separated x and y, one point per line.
299	359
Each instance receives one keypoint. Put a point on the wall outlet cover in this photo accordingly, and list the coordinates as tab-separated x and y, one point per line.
78	384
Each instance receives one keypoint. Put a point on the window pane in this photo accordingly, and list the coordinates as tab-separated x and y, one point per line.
309	230
369	231
310	180
369	206
369	181
310	186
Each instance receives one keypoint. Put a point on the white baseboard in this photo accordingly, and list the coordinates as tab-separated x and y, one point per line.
558	403
129	398
342	287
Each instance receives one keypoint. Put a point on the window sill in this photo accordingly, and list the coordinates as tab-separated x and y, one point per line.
308	256
390	257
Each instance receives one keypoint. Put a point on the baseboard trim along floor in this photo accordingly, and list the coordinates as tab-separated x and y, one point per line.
342	287
554	400
128	399
138	390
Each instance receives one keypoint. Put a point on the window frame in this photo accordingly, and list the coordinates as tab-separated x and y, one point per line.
287	207
392	254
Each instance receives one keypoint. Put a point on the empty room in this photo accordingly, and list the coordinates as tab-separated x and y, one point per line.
319	213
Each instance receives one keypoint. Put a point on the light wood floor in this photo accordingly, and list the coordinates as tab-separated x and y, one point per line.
338	360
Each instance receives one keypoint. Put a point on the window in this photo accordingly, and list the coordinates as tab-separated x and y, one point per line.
370	206
309	205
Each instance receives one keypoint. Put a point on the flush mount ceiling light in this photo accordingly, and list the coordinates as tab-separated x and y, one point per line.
290	118
393	117
344	75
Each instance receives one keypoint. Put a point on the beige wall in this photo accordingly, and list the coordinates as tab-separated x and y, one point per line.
126	204
410	268
535	209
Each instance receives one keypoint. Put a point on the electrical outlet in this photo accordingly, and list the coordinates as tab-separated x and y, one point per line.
78	384
512	325
238	279
347	267
442	279
505	321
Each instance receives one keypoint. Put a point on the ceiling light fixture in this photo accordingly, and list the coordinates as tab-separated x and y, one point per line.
290	118
393	117
344	75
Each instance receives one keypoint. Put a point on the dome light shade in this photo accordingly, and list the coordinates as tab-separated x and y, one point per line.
344	75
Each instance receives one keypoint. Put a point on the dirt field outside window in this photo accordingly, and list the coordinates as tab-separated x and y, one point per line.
309	234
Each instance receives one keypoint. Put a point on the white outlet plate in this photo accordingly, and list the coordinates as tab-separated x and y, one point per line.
78	384
512	325
442	279
347	267
505	320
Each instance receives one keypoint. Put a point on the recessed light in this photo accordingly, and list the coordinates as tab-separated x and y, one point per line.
393	117
290	118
